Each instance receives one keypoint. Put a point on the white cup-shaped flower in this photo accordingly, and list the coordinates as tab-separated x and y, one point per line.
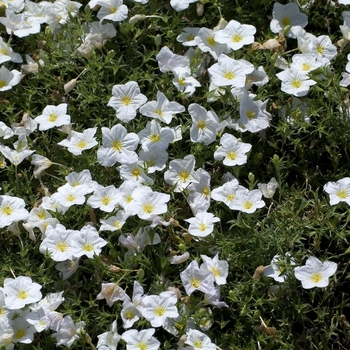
21	291
315	273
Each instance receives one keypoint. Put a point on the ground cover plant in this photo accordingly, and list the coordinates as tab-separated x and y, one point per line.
174	174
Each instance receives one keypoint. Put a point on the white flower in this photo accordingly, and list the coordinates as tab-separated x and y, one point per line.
161	109
227	192
198	340
67	195
156	308
117	146
53	116
12	209
204	124
155	137
206	42
114	222
202	224
181	173
184	81
235	35
232	150
276	269
20	292
109	339
269	189
8	79
144	339
126	99
219	268
230	72
287	15
14	156
77	142
295	82
58	243
68	331
247	201
193	278
315	273
338	191
187	36
87	242
168	61
112	293
149	203
180	5
113	10
104	198
253	115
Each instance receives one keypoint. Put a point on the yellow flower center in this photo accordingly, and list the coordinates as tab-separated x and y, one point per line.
296	83
215	271
113	9
117	145
250	114
154	137
3	51
159	112
117	224
231	197
159	310
7	210
136	172
184	175
182	81
232	155
248	205
202	227
61	246
105	200
202	124
2	83
195	282
81	144
142	345
88	247
129	315
211	41
128	199
190	37
41	215
285	21
70	197
126	100
229	75
53	117
342	194
316	277
206	191
20	333
305	66
148	208
320	49
198	344
237	38
22	295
